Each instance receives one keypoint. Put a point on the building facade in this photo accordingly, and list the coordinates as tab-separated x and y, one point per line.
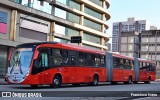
127	26
108	46
130	44
150	45
24	21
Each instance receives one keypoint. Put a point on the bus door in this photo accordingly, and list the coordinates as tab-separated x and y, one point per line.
143	71
127	69
44	73
73	69
118	69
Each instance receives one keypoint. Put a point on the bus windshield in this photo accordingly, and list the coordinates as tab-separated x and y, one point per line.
21	57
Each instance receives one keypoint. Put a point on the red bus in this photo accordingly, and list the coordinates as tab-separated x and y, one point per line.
55	63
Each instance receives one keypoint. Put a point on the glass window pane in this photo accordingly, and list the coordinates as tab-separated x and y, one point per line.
44	60
92	13
67	15
92	24
66	31
98	2
70	3
91	38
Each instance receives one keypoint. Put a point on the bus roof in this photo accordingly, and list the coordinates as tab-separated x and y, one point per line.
145	60
35	44
122	56
63	46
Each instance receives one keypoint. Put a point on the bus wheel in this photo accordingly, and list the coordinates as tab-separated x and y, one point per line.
34	86
95	81
149	80
57	81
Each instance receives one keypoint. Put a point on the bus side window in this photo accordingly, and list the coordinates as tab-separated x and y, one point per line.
127	64
102	61
131	64
93	59
141	65
149	67
55	58
122	63
81	59
44	59
97	61
88	60
72	57
65	58
116	62
153	67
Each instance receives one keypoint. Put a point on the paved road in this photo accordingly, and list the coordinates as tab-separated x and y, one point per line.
100	91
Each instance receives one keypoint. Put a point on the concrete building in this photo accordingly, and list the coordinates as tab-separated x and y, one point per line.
108	46
150	45
153	28
52	20
130	44
127	26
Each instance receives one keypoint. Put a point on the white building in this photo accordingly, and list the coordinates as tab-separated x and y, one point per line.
150	45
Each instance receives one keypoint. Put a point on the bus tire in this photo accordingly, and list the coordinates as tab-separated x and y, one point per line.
95	80
34	86
57	81
148	81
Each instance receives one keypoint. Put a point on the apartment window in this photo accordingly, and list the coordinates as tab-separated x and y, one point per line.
67	15
39	5
70	3
91	38
92	24
92	13
98	2
66	30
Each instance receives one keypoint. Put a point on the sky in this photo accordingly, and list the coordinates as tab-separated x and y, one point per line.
120	10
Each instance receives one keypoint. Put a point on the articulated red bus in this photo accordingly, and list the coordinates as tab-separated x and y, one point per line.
55	63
